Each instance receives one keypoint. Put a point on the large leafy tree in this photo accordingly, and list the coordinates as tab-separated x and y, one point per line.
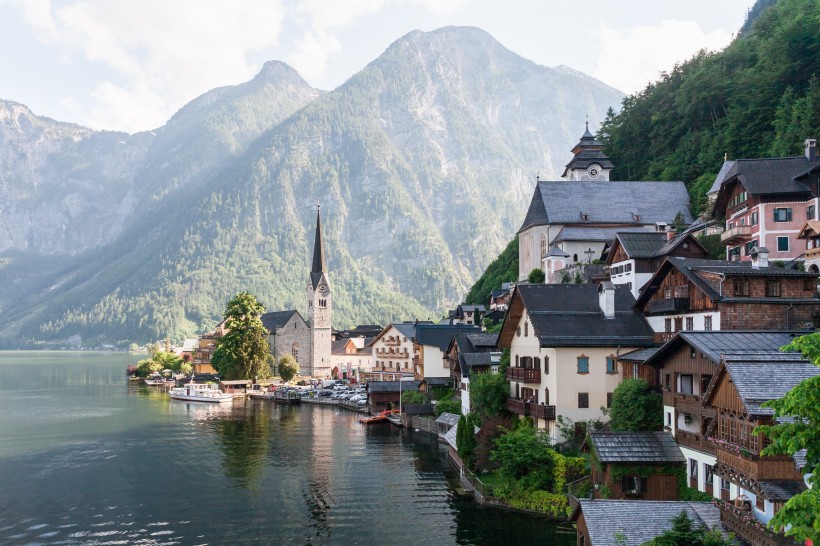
488	394
524	455
799	430
243	352
635	406
288	368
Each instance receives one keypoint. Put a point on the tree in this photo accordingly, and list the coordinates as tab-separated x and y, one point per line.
524	455
635	406
414	397
465	440
450	405
684	533
243	352
491	428
799	429
536	276
288	368
488	394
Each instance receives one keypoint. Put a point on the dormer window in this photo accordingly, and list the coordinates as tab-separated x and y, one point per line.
585	216
636	217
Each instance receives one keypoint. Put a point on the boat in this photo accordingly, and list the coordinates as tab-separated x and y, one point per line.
201	392
378	418
395	418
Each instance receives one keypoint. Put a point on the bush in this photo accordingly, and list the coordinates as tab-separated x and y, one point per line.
414	397
554	505
447	406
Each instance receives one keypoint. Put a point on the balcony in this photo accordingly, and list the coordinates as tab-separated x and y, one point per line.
667	305
531	409
693	440
662	337
688	403
759	468
813	253
736	234
753	532
524	375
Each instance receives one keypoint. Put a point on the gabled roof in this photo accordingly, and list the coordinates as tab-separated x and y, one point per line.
589	150
450	419
714	344
810	229
596	234
758	378
624	203
274	320
692	268
636	447
639	521
440	335
639	355
649	244
407	329
569	315
781	490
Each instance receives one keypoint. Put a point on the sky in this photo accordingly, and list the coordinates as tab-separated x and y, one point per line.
129	65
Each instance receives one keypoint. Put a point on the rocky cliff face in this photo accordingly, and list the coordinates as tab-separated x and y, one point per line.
424	163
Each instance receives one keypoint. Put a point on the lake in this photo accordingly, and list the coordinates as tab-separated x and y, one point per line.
87	459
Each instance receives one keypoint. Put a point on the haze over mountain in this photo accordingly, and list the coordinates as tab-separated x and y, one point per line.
423	163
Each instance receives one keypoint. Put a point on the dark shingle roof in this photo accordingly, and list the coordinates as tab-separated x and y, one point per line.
759	378
770	175
392	386
639	521
450	419
628	203
715	344
574	233
437	381
639	355
781	490
641	244
276	319
440	335
569	315
634	447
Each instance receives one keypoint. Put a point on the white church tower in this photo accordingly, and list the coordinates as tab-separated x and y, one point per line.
319	302
589	162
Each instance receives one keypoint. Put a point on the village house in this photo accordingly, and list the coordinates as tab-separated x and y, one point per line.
766	202
431	342
467	354
384	395
752	484
393	353
810	233
204	349
585	201
690	294
635	522
500	297
636	465
564	342
288	334
349	356
635	256
467	314
684	368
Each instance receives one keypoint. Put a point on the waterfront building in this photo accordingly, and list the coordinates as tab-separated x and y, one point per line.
349	356
430	343
765	203
585	201
393	353
564	342
468	354
288	333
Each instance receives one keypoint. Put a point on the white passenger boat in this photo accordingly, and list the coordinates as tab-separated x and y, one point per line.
199	392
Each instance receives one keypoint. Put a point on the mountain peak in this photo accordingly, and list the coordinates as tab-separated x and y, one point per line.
277	72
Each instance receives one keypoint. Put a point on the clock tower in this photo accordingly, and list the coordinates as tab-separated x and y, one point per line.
589	163
319	306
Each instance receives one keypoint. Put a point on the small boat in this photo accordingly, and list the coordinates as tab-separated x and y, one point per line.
156	379
395	418
378	418
201	392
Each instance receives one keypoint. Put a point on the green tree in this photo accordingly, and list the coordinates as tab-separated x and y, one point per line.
488	394
243	352
536	276
288	368
185	368
799	429
414	397
465	440
450	405
524	455
684	533
635	406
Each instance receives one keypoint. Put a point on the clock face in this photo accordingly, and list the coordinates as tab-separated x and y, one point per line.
324	290
592	171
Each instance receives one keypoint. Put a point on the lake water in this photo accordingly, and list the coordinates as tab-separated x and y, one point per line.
86	459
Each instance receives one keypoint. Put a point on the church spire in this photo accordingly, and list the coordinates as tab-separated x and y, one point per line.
318	247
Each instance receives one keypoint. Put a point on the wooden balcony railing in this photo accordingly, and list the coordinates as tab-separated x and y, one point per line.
524	375
736	234
662	337
539	411
687	403
669	304
759	468
753	532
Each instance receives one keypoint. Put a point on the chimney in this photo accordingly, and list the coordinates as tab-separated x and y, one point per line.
760	257
671	234
606	299
811	149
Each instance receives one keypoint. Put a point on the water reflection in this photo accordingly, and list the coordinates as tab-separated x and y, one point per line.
244	440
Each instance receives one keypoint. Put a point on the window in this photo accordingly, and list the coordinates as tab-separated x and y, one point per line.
583	364
546	364
754	219
724	484
610	365
668	324
705	379
693	468
543	246
526	329
678	324
583	399
634	370
741	287
734	254
760	503
783	215
547	397
750	245
810	212
783	243
517	364
693	353
609	399
668	419
628	267
707	322
690	323
633	485
667	381
708	475
772	289
294	350
686	384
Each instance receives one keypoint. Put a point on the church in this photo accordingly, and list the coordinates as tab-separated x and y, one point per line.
309	341
573	218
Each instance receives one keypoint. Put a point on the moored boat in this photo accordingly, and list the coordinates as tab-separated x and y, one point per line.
378	418
201	392
156	379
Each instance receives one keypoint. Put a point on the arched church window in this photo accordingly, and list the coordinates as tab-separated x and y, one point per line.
294	350
574	257
543	246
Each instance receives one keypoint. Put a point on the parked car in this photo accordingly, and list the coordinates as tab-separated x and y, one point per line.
361	402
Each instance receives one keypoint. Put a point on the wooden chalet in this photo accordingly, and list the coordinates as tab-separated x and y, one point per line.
470	353
636	465
752	484
384	395
690	294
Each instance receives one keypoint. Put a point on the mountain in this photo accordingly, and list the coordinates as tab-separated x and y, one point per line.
423	163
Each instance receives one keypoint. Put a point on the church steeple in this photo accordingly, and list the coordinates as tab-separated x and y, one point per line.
589	161
318	248
319	306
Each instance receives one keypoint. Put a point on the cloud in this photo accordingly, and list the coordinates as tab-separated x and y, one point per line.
163	54
632	57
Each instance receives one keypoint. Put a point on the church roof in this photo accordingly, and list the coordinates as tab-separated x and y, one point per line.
589	150
575	233
276	319
319	267
620	203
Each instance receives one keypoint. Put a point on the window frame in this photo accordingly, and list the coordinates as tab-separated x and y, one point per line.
583	400
780	239
773	288
614	368
786	214
585	360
